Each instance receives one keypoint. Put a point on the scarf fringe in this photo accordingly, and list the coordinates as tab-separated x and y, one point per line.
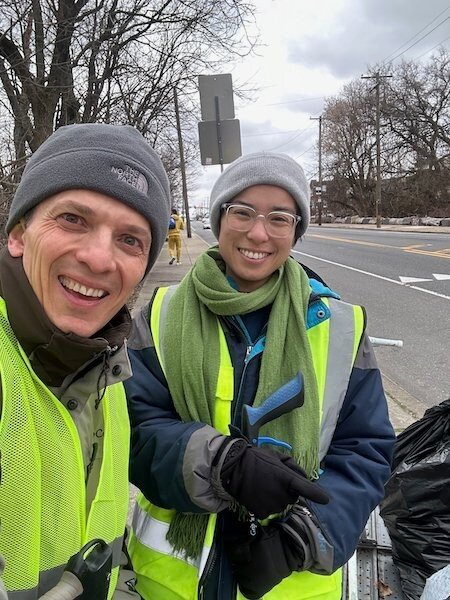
187	533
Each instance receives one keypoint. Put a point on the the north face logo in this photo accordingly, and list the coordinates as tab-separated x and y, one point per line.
131	176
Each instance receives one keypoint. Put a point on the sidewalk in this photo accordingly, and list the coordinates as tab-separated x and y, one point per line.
403	408
164	274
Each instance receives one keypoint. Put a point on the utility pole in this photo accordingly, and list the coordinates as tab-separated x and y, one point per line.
377	77
319	191
182	164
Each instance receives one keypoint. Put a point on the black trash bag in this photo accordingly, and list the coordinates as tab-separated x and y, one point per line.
416	506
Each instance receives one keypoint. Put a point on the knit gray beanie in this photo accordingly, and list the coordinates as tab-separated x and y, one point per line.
261	168
114	160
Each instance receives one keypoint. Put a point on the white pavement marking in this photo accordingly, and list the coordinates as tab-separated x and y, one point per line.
441	276
412	279
411	287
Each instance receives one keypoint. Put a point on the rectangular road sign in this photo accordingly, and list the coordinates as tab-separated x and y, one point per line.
211	86
230	135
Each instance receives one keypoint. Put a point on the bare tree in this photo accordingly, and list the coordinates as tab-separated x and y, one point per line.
417	107
348	145
415	142
69	61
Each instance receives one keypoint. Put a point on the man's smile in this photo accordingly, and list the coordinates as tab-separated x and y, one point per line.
75	286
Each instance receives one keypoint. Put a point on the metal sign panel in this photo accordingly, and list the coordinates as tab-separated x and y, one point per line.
210	87
230	135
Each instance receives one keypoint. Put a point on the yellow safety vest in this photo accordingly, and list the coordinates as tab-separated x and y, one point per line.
164	575
42	489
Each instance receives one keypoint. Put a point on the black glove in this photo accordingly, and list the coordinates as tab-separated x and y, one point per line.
259	563
265	481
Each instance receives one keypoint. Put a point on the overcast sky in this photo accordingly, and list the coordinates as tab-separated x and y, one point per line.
310	50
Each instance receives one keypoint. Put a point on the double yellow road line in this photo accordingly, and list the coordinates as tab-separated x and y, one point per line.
415	249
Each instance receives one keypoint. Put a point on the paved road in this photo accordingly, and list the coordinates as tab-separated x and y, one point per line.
413	258
403	280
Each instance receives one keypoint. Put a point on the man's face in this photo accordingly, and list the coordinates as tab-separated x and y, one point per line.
251	257
83	253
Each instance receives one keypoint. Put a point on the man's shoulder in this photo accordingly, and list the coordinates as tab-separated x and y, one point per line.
140	334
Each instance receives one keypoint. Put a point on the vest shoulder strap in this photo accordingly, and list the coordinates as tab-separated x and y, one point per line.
346	329
157	316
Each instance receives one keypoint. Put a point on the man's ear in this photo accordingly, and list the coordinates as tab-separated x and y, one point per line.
15	240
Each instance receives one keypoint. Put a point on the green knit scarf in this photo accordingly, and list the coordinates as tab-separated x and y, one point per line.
191	353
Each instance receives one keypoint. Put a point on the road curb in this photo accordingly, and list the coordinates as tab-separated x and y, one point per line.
404	409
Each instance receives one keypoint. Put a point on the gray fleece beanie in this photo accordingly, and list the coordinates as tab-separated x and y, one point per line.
114	160
261	168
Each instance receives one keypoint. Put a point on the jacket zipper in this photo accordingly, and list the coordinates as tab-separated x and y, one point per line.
238	403
211	561
101	389
248	356
91	461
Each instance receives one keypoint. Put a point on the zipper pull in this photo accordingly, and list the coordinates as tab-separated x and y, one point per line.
101	386
92	459
247	353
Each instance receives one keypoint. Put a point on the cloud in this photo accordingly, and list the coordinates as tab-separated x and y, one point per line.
366	33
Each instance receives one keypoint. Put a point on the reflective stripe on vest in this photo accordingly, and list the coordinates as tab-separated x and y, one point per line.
43	492
162	575
343	332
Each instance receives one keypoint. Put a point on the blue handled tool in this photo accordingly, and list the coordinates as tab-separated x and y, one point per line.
282	401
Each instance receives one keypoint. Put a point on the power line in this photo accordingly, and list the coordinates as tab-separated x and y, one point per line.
431	49
416	34
272	133
295	101
292	139
419	40
305	151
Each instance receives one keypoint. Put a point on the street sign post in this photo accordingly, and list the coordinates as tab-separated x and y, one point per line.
218	132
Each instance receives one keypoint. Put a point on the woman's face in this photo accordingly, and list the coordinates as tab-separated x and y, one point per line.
252	256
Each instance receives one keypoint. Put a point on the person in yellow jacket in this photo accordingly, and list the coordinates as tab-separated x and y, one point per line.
86	224
176	226
220	516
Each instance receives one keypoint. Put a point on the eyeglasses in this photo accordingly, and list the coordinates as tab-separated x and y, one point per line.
278	224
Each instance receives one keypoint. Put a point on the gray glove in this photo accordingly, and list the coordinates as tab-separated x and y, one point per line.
260	562
307	540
